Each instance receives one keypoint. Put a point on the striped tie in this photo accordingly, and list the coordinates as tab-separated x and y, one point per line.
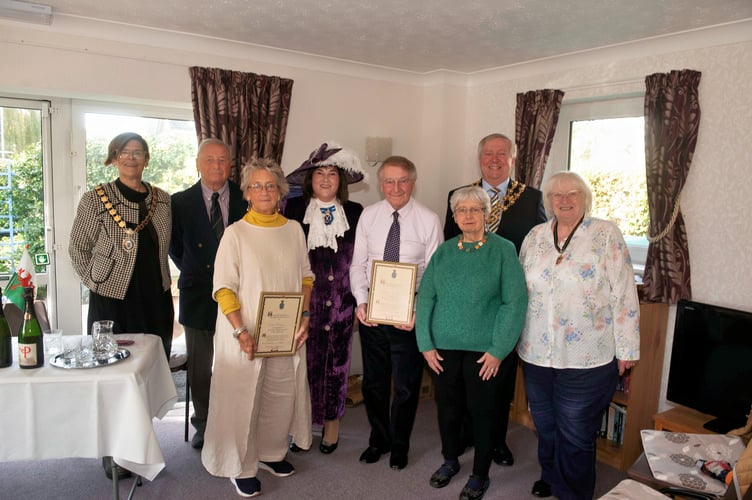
217	224
392	247
494	218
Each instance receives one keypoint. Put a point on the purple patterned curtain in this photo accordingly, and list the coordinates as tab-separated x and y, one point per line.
247	111
536	118
672	120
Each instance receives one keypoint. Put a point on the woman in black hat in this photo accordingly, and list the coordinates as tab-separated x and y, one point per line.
328	219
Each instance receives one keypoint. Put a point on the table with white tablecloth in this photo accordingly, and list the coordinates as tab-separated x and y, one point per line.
51	412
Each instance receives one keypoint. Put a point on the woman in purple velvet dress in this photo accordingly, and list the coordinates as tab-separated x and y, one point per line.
328	219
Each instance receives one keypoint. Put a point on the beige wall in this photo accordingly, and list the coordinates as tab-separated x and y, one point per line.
436	121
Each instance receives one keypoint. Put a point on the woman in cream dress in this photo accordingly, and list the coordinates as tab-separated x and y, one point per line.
257	403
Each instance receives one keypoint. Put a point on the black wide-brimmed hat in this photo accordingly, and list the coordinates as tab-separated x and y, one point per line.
330	154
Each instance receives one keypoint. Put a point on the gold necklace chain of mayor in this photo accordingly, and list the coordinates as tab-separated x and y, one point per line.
128	242
514	191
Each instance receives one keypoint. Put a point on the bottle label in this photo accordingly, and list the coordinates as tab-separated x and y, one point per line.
27	354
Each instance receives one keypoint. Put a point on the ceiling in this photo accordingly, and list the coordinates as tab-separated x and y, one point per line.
420	35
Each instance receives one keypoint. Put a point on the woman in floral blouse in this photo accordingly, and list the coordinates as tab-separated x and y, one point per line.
582	332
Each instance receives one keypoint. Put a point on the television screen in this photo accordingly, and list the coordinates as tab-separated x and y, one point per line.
711	363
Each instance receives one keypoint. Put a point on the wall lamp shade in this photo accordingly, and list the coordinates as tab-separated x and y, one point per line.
25	11
378	149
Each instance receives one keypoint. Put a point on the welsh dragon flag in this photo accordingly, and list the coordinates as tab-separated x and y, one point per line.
22	278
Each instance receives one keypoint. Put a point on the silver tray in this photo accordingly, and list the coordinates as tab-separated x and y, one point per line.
60	362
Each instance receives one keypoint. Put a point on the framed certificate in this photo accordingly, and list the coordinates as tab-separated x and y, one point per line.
392	294
277	322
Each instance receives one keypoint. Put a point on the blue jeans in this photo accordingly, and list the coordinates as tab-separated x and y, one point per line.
567	407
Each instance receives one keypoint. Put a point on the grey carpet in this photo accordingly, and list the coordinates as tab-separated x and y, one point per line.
335	476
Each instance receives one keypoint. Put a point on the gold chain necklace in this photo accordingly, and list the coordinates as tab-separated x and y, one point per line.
514	191
128	241
476	246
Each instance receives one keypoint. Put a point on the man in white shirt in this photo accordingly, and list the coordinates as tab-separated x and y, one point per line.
390	353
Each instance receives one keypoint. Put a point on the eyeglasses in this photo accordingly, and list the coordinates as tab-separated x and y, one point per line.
400	182
134	155
567	195
472	211
268	187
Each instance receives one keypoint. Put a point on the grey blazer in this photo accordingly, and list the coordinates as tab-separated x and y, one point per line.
96	241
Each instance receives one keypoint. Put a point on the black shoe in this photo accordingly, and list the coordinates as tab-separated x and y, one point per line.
398	460
371	455
197	441
295	448
327	448
443	475
502	455
107	465
247	487
541	489
283	468
475	488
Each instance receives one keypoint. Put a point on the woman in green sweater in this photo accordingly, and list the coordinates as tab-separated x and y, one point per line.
471	309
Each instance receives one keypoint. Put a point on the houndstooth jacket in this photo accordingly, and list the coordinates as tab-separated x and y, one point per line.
96	242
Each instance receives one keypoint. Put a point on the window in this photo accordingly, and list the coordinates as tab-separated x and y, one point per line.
603	141
24	136
172	148
172	162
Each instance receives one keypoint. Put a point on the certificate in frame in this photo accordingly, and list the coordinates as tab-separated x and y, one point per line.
391	297
277	322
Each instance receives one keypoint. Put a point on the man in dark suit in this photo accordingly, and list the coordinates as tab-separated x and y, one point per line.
199	216
515	209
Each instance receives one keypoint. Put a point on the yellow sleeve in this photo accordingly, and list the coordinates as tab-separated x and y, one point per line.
308	281
227	300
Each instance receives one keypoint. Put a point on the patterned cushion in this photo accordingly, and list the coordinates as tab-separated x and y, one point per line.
673	456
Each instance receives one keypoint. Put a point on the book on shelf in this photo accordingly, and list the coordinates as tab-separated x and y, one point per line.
612	423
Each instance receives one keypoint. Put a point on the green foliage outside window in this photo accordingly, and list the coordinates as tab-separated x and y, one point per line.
171	166
24	202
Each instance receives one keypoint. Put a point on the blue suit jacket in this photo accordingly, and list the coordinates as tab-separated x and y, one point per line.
193	247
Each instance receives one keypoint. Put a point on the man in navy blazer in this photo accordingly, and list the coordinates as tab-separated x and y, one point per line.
193	247
521	209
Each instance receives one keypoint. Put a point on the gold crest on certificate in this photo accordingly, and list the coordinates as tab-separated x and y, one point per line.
391	298
277	322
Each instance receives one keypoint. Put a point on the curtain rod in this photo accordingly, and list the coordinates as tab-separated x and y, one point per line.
589	86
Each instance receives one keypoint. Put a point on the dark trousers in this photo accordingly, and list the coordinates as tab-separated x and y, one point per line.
460	390
567	406
390	356
507	377
200	347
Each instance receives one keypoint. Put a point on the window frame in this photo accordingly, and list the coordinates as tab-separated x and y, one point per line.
621	106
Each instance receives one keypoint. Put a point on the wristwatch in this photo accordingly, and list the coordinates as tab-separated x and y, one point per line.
236	333
305	314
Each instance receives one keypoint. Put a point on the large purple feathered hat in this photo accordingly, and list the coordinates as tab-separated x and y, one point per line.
330	154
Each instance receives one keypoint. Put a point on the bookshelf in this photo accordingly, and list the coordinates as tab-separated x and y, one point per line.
641	401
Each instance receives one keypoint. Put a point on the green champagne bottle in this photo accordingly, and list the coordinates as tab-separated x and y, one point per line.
30	347
6	346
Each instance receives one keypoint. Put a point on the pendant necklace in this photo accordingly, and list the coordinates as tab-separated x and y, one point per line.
566	242
476	246
129	242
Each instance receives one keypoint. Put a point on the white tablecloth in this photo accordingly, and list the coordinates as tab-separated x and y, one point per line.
51	412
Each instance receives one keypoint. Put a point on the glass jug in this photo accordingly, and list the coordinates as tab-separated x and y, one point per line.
105	345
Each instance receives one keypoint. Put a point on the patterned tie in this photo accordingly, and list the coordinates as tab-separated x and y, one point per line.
494	218
217	224
392	247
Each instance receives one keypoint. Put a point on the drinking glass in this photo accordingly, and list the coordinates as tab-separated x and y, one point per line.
53	342
85	353
71	346
105	345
